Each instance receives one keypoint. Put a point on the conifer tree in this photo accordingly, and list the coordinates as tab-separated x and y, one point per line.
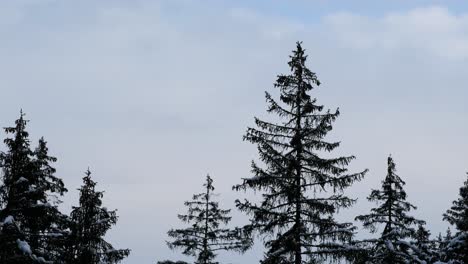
457	247
442	242
48	223
302	190
171	262
425	248
13	248
391	247
448	235
30	195
422	236
90	223
205	236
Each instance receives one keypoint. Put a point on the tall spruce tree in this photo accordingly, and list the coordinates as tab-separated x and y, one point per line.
30	194
456	249
90	223
15	162
392	246
205	236
302	191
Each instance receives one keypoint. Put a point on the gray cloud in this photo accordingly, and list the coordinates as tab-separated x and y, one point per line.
154	94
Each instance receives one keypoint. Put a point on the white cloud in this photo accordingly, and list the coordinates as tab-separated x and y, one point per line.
155	95
434	30
269	27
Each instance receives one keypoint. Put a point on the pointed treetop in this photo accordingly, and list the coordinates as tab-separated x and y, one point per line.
209	183
457	215
19	130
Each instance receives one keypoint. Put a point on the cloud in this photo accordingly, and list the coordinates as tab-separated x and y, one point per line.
151	94
268	27
433	30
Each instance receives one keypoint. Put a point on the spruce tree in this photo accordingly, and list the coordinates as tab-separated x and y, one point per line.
205	236
17	168
13	247
392	246
302	189
457	247
448	235
48	223
425	248
90	223
171	262
30	194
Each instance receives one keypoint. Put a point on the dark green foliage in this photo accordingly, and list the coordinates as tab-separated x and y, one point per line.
90	223
422	236
301	190
427	249
391	247
171	262
205	236
457	215
10	236
29	194
456	249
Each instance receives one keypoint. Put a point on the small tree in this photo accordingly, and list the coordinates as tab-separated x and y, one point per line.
205	236
392	213
425	248
457	247
90	223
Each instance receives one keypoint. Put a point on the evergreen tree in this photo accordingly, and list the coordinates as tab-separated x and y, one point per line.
440	239
425	248
448	235
302	190
48	223
442	242
30	194
90	223
13	248
15	163
205	236
457	215
171	262
422	236
391	247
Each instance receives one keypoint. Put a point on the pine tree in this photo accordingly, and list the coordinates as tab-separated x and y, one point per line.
392	213
205	236
27	192
457	215
302	190
425	248
90	223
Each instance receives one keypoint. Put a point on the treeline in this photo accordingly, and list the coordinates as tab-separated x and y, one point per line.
32	228
301	191
299	186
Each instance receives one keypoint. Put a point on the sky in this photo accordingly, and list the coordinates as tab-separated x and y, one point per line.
153	95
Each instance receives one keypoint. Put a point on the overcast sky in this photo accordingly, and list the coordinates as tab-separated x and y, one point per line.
153	95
